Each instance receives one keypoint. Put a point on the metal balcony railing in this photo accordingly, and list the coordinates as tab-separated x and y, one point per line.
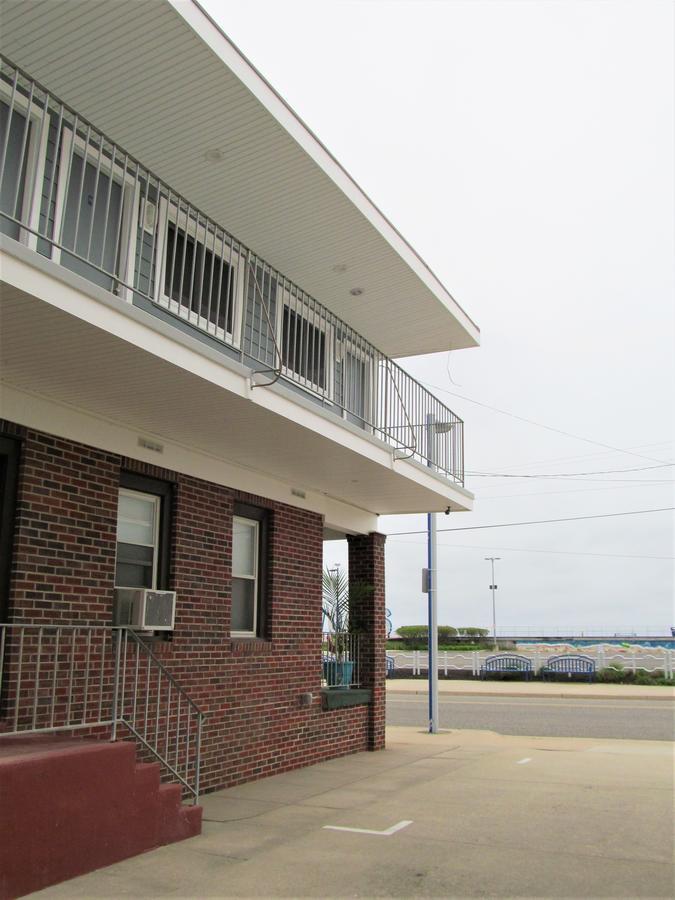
56	678
77	198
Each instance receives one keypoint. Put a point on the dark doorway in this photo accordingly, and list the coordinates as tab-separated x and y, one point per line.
9	465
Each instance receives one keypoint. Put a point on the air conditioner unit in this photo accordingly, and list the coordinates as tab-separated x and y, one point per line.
145	609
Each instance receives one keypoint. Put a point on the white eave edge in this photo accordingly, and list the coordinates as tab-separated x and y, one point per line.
215	38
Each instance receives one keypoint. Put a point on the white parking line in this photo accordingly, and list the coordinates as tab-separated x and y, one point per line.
521	762
386	833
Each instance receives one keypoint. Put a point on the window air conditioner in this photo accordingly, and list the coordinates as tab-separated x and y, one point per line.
144	609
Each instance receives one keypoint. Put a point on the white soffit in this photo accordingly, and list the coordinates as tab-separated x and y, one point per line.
160	79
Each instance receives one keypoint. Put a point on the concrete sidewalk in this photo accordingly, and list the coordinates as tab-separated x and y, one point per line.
493	688
458	814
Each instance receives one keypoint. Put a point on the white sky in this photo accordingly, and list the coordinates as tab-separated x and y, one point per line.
525	149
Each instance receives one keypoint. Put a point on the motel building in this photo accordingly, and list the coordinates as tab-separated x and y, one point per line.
200	317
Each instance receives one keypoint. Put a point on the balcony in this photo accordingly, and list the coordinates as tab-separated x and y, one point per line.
76	198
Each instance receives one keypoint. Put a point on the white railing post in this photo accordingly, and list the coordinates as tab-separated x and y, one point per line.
445	663
116	683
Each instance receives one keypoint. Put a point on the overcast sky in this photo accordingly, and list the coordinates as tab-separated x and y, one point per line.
525	149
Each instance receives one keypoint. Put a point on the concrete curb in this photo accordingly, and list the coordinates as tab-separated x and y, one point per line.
532	694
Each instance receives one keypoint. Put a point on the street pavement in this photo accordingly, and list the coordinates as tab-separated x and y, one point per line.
536	708
551	717
457	814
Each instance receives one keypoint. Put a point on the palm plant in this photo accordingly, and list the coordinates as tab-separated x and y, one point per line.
336	599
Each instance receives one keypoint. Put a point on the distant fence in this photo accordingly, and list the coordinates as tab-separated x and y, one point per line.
630	660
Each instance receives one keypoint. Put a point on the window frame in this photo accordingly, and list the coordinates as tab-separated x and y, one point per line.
343	346
286	298
162	493
260	517
71	144
170	211
35	154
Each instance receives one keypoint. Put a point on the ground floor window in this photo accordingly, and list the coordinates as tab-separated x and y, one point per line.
249	566
143	532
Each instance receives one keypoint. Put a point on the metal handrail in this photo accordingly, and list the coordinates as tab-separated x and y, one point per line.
74	195
72	677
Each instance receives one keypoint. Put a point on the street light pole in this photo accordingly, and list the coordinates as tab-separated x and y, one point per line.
433	428
493	588
432	602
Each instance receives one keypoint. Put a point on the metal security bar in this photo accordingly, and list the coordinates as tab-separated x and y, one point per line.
72	677
74	196
341	660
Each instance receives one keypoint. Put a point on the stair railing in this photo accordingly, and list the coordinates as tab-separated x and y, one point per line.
57	678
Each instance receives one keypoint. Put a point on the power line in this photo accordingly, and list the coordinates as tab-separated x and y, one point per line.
624	487
567	474
553	459
578	478
504	412
632	512
533	550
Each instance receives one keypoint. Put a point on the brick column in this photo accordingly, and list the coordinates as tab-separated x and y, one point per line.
367	616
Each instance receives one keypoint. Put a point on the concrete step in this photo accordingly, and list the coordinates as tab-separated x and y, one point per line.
71	805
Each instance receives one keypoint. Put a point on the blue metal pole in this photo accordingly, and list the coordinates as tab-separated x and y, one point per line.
430	637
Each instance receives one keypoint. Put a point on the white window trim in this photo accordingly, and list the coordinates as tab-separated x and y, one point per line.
256	574
169	213
286	299
156	501
344	346
34	155
124	178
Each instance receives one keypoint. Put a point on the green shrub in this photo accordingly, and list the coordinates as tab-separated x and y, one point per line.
473	632
416	637
612	675
616	674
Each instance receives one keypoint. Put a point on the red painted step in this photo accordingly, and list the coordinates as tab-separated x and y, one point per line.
68	806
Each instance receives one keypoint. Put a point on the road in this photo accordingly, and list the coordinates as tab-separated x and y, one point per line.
554	717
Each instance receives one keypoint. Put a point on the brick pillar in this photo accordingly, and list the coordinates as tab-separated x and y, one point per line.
367	616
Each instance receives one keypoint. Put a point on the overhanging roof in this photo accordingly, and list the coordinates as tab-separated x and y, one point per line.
160	79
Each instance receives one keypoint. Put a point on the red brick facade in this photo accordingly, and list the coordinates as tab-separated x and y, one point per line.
63	571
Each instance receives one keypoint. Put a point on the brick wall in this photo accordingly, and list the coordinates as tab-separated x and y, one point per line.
63	570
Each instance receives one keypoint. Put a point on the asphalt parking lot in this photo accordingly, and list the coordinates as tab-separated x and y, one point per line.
458	814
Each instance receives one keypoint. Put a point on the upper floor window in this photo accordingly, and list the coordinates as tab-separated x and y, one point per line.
17	131
201	273
306	343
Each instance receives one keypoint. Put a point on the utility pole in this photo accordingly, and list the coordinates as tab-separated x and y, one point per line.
493	588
